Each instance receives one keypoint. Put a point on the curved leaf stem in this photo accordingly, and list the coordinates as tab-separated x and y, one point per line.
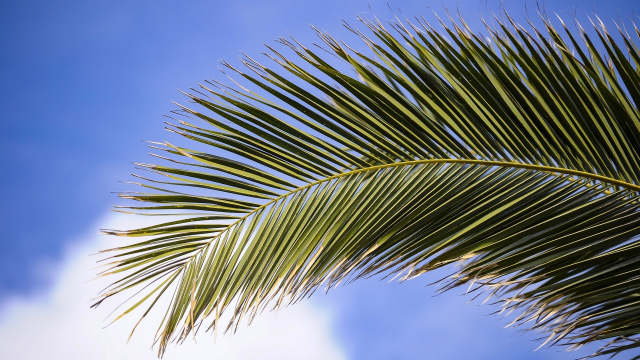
541	168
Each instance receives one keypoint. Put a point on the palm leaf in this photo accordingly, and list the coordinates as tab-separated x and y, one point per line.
515	156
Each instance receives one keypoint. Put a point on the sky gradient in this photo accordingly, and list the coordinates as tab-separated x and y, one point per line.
83	82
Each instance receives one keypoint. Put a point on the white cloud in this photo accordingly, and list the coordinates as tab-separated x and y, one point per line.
60	325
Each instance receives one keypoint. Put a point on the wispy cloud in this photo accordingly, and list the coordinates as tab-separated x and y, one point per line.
60	325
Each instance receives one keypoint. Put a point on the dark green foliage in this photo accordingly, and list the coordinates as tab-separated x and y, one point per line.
515	156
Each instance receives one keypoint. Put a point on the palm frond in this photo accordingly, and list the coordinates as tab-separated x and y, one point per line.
516	156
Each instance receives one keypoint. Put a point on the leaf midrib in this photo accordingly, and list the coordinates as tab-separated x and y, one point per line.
541	168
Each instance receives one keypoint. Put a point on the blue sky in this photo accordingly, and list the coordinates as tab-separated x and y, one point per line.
83	82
